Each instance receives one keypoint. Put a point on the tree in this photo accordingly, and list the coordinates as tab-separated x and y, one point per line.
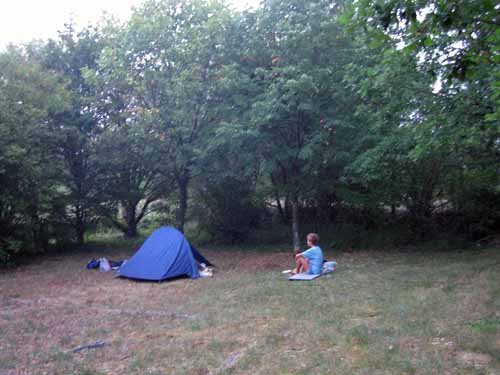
78	125
457	41
30	192
131	161
178	51
450	130
457	37
301	100
131	171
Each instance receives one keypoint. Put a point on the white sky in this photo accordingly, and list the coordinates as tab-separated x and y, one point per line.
24	20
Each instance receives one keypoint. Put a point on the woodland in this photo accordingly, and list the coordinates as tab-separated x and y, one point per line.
356	118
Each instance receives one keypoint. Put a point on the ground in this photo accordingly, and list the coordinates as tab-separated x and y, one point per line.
378	313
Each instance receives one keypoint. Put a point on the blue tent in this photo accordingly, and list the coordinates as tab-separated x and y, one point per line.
164	255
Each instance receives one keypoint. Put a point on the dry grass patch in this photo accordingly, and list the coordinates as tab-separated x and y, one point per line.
379	313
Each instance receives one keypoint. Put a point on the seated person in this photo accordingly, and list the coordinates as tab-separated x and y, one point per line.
311	260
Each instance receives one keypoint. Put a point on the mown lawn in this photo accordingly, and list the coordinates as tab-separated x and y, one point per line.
378	313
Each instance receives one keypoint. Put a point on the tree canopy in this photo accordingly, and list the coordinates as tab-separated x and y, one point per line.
355	114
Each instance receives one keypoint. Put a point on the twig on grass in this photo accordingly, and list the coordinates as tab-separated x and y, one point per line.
125	356
233	358
159	313
97	344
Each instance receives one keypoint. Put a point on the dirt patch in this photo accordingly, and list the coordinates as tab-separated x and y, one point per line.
477	360
266	262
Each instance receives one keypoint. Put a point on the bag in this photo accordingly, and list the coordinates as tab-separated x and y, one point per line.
104	265
92	264
329	267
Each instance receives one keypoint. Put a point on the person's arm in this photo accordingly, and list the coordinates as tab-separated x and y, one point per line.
306	253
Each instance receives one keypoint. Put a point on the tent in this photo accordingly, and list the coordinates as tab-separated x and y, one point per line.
164	255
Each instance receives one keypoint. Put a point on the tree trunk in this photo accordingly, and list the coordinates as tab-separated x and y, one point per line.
39	232
287	208
131	231
295	225
80	225
281	211
80	234
393	216
130	220
317	218
183	182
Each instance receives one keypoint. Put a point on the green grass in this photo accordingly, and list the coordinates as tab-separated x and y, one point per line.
378	313
491	325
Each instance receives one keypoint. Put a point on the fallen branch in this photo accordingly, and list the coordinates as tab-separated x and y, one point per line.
126	356
97	344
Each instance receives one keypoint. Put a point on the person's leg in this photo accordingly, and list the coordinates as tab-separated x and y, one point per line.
296	269
305	267
301	265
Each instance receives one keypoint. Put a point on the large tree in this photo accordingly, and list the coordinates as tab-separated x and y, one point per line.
131	159
428	86
77	126
31	190
132	173
178	49
301	103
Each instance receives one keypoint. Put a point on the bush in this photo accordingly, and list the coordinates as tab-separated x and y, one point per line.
227	210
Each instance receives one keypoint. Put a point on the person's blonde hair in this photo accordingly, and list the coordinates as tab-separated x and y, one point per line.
313	237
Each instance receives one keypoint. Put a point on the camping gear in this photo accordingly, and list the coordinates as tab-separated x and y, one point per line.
104	265
200	258
93	263
116	264
304	276
329	267
205	271
96	263
164	255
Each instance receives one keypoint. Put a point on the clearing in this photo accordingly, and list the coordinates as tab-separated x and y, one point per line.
378	313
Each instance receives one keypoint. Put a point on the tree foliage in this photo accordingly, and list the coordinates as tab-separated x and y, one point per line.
30	184
319	113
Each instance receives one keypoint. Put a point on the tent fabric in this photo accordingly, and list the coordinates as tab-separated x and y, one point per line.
165	254
200	258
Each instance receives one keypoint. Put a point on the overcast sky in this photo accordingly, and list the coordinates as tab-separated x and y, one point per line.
24	20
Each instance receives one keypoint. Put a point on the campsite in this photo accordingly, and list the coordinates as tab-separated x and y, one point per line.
250	187
378	313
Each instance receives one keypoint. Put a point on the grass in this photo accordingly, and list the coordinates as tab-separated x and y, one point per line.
378	313
491	325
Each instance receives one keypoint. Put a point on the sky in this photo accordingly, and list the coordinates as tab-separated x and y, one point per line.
25	20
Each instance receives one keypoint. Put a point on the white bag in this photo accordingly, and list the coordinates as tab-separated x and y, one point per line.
205	271
329	267
104	265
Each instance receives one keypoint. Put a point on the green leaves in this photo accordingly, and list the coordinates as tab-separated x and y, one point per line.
29	99
326	102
